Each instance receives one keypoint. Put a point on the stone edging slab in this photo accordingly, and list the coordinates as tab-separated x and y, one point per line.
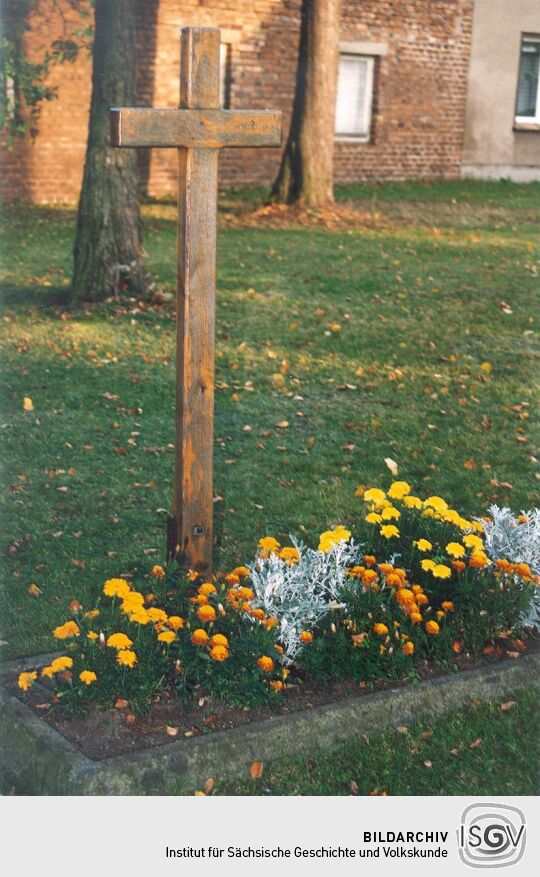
39	761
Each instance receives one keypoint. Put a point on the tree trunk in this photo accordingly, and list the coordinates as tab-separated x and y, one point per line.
307	167
107	255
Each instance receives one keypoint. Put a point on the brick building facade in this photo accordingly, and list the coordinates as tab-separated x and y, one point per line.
402	91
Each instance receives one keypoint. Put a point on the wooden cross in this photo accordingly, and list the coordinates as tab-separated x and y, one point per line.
198	129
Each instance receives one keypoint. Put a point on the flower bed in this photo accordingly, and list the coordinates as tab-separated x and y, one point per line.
417	582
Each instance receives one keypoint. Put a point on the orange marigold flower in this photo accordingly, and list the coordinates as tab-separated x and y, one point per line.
25	680
306	637
242	571
447	605
504	565
523	570
386	568
192	575
158	572
407	648
219	653
422	599
265	663
66	630
175	622
415	617
405	597
199	637
246	593
155	614
277	685
478	560
380	629
268	543
168	636
394	580
219	639
290	555
457	565
92	613
279	649
233	596
206	613
271	622
258	614
457	646
368	577
369	559
432	627
206	588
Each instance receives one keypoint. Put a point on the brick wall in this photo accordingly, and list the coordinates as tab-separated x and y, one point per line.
419	93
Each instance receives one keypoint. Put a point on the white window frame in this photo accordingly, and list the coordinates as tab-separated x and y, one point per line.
529	120
368	111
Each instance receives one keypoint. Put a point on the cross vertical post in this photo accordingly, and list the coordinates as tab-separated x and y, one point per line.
195	308
197	129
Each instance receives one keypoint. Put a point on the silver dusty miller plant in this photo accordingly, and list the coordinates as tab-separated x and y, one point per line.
301	594
518	542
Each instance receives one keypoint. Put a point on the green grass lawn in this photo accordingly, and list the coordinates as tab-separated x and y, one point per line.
409	336
483	748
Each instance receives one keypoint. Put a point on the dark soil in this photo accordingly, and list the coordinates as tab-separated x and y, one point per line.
102	733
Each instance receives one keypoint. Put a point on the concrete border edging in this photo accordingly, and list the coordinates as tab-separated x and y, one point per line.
39	761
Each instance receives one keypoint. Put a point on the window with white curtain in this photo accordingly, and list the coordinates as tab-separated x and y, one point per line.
528	92
354	96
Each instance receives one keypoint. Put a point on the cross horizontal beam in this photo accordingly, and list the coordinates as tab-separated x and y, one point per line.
136	126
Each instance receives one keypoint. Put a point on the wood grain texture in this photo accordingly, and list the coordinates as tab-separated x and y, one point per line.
133	126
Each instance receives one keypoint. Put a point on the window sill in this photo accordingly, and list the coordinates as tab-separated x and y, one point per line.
350	138
533	125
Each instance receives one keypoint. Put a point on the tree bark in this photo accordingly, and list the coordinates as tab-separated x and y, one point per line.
107	254
307	167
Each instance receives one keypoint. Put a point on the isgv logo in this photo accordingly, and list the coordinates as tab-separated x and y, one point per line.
491	835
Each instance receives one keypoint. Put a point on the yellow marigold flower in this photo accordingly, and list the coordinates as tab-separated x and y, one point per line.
207	588
219	653
374	495
277	685
175	622
132	603
119	641
126	657
63	663
407	648
390	514
389	531
158	572
268	543
139	616
241	571
92	613
441	571
219	639
199	637
206	613
87	676
25	680
157	615
373	518
479	527
454	549
332	537
306	637
91	635
415	617
290	556
452	517
399	489
423	545
66	630
265	663
431	627
168	636
427	564
380	629
246	593
473	541
412	502
116	588
435	502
